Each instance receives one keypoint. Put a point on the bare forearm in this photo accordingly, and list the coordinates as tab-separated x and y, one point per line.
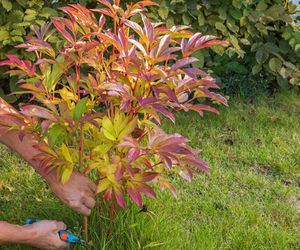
25	147
11	234
26	150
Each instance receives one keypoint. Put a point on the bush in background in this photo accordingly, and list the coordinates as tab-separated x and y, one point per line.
16	20
263	35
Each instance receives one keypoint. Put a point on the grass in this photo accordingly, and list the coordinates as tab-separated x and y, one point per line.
251	199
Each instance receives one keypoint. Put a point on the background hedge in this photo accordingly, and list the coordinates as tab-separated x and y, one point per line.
264	37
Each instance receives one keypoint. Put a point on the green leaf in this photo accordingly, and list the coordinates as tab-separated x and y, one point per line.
222	12
235	13
22	2
297	48
283	83
186	19
262	28
80	109
4	35
221	27
200	56
236	67
261	6
201	19
275	64
243	21
231	25
163	12
57	135
49	12
245	41
7	5
30	17
234	41
170	22
17	39
261	55
256	69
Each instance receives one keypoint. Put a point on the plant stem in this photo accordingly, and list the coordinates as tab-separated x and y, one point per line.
86	232
85	219
111	217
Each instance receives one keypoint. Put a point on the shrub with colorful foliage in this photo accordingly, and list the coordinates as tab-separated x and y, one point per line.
99	101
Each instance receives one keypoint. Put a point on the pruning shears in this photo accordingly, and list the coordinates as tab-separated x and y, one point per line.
64	235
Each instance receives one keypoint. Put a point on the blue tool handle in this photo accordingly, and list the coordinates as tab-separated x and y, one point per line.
67	236
64	235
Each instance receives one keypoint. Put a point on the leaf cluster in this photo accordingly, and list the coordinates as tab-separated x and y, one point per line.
100	99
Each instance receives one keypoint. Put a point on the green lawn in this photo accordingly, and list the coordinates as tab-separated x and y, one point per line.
251	199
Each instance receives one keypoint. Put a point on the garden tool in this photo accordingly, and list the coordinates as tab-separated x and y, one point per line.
64	235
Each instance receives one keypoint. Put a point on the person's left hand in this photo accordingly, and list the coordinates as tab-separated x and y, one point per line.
78	193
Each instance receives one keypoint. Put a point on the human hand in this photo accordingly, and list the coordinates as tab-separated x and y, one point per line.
44	235
78	193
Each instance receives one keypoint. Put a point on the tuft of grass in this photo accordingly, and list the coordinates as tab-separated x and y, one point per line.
250	200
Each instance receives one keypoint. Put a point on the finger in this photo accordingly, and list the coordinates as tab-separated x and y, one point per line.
60	226
89	202
93	187
63	245
84	210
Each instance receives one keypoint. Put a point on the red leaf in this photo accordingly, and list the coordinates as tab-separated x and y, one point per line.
149	176
198	163
194	72
201	107
147	190
183	62
107	194
163	44
148	28
33	110
164	111
119	195
146	3
135	196
119	173
63	31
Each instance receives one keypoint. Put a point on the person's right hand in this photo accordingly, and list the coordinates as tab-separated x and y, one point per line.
44	235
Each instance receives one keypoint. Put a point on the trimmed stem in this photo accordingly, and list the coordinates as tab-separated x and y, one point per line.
86	231
111	217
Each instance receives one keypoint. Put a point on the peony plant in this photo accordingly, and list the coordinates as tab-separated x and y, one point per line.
99	100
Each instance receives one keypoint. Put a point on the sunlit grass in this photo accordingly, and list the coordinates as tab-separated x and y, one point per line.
251	199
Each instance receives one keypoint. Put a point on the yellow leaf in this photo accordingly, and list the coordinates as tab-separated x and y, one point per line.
103	185
66	173
103	148
108	129
66	153
128	128
118	122
111	177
